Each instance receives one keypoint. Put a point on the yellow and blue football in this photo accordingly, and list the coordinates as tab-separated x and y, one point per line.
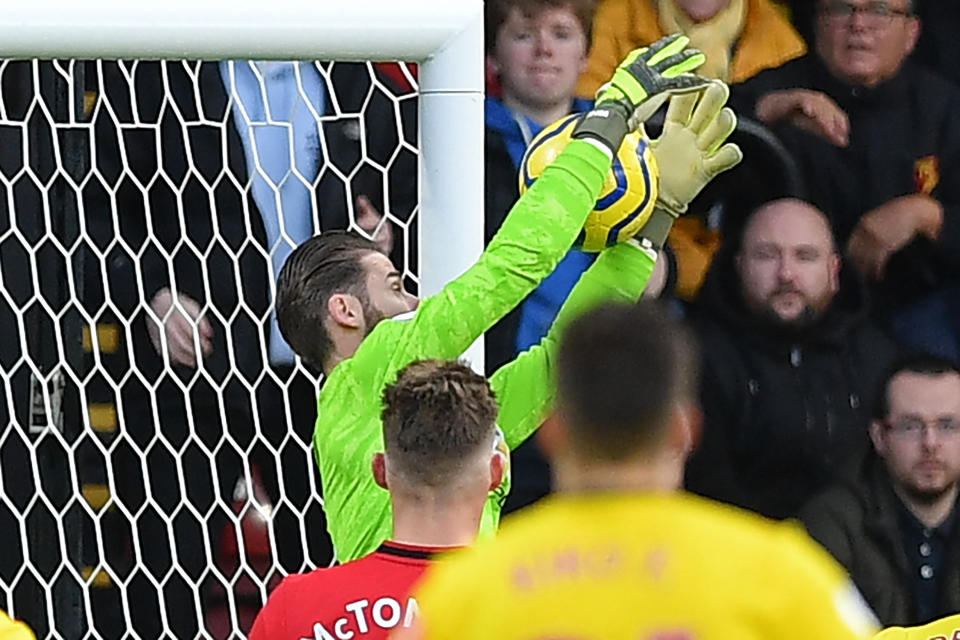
629	191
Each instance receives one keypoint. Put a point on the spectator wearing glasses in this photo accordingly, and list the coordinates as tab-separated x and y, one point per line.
895	527
878	140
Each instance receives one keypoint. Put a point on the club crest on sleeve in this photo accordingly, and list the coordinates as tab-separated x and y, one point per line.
926	174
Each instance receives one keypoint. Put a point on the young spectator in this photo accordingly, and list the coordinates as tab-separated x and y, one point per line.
740	39
878	140
894	527
788	360
619	552
440	460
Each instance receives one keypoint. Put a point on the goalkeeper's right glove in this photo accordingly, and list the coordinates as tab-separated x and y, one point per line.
642	82
690	153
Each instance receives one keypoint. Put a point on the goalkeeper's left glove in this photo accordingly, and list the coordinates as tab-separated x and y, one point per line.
642	82
690	153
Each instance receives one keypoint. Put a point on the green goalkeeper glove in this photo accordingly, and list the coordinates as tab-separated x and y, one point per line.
690	153
642	82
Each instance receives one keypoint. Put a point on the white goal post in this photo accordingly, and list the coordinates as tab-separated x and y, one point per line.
109	495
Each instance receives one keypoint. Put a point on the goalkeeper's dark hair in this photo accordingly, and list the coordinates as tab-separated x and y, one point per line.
320	267
621	369
436	416
496	13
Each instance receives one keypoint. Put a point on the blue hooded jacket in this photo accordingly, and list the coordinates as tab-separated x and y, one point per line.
540	308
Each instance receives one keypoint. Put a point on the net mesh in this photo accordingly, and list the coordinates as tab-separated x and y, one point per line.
156	475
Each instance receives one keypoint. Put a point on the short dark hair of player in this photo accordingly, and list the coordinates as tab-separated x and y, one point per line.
320	267
436	416
497	11
621	369
921	363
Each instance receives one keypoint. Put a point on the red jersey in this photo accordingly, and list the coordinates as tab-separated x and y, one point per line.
363	599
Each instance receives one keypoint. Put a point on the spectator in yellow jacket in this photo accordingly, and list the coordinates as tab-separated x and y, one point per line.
739	37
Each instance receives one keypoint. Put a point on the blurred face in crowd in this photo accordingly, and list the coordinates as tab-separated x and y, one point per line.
920	438
539	57
701	10
385	292
864	42
789	270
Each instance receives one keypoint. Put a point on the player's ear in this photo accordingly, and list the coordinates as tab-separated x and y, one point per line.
687	428
498	466
345	310
379	466
876	436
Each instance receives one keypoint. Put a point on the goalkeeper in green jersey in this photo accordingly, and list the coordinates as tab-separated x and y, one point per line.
341	303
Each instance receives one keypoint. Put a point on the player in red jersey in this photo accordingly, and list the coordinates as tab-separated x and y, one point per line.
441	459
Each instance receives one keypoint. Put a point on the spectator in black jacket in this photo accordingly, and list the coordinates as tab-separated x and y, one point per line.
894	527
878	140
788	357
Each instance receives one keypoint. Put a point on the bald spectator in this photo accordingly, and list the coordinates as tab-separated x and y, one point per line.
878	140
788	359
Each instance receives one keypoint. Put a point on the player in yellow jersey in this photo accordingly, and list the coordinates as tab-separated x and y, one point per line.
619	553
13	629
943	629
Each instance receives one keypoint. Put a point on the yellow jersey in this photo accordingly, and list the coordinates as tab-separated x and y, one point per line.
13	629
638	566
943	629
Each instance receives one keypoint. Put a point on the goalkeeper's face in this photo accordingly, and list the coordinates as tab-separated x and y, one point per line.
386	296
788	268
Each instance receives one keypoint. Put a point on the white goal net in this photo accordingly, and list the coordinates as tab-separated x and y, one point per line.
156	470
147	486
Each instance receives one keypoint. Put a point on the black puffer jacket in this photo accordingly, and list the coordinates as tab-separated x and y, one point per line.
784	413
857	522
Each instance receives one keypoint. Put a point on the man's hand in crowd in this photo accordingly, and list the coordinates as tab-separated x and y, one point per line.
811	111
890	227
372	221
181	322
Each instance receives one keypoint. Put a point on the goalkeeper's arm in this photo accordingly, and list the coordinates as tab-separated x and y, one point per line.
691	150
544	223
